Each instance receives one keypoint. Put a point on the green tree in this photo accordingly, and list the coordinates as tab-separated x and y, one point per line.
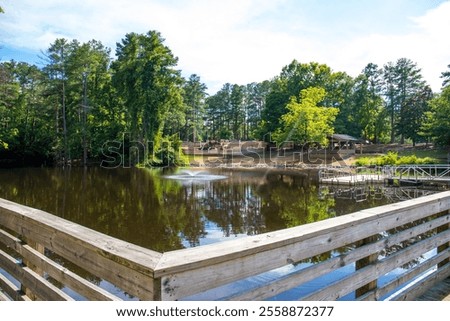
9	95
91	79
305	120
274	107
403	80
292	79
368	114
56	71
218	114
446	76
390	92
35	139
194	99
339	90
145	78
237	102
78	78
298	76
437	124
255	98
414	113
26	131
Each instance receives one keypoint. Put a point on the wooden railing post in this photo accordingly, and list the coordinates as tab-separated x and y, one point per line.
41	249
366	261
444	246
157	288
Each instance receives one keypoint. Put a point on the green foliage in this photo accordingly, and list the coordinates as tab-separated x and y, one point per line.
406	96
446	76
437	123
392	158
25	125
305	121
368	115
145	78
78	86
194	95
298	76
234	112
169	154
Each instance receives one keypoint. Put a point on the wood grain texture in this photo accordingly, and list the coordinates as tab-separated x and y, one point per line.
128	266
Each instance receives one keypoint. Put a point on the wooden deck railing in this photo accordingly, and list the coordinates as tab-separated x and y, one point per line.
411	238
32	237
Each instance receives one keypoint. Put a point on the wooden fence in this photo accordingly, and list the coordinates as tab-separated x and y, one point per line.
41	257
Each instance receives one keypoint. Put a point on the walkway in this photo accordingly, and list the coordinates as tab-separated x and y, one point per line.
439	292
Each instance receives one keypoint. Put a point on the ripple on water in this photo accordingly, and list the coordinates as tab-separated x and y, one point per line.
199	176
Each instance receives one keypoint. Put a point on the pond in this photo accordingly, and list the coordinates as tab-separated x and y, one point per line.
165	210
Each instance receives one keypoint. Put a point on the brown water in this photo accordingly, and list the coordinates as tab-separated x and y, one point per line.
166	210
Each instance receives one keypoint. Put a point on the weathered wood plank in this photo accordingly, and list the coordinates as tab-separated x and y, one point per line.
128	266
445	245
141	258
367	261
438	292
11	289
59	273
190	271
307	274
403	278
350	283
423	285
3	296
295	279
39	286
8	240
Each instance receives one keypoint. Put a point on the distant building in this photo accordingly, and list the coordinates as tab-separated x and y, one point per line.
343	144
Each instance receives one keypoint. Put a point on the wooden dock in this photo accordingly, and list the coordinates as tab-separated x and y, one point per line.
400	175
42	256
356	179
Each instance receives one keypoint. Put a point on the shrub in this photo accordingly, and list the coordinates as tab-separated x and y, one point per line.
363	161
392	158
407	160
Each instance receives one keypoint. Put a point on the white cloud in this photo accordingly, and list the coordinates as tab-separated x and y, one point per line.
236	41
433	51
426	45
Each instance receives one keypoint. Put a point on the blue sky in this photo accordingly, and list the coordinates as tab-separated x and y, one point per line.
241	41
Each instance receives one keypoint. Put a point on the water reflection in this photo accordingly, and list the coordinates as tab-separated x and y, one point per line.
142	206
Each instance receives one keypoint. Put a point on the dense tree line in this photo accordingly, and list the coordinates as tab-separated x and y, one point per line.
382	105
82	105
389	104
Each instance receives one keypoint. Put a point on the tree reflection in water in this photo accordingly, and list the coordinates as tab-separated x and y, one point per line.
142	207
